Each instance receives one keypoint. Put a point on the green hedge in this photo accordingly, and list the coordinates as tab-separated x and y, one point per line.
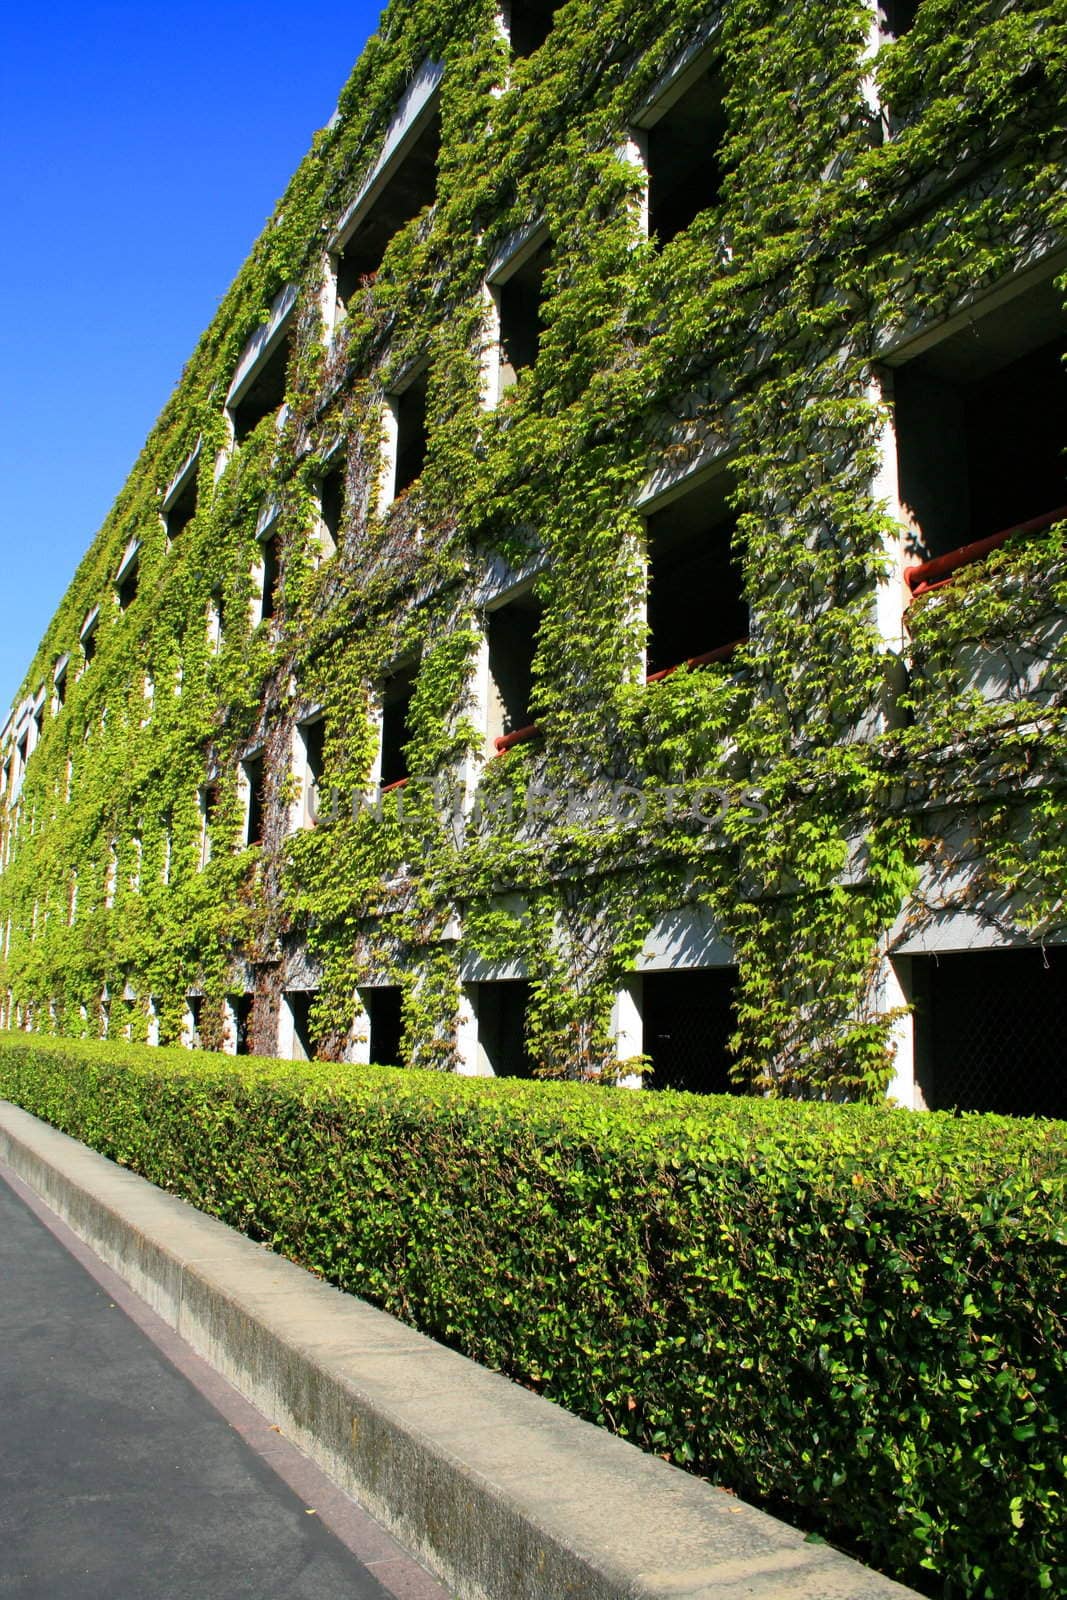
851	1315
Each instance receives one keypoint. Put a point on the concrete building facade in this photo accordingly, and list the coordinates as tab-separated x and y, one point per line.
595	604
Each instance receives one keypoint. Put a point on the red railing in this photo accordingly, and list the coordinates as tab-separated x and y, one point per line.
508	741
398	783
937	572
722	652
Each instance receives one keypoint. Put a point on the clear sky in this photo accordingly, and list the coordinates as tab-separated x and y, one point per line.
142	148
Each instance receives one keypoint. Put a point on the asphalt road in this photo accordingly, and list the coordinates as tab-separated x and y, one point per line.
119	1480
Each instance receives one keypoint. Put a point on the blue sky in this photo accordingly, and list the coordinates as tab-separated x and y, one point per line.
142	148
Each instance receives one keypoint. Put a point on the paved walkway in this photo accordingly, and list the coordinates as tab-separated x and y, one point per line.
120	1476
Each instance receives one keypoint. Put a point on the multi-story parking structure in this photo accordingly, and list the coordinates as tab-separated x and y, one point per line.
595	599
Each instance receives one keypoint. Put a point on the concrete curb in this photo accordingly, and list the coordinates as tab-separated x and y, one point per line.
502	1493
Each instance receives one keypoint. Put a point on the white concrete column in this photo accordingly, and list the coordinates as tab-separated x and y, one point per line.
387	465
470	769
893	994
229	1028
470	1058
289	1046
627	1024
357	1048
328	307
892	594
491	386
634	151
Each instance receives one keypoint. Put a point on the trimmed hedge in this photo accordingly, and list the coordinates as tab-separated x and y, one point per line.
851	1315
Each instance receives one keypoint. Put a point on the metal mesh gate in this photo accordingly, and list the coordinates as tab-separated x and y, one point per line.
992	1031
688	1019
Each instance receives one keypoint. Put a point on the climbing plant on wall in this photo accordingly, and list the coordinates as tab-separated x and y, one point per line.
756	330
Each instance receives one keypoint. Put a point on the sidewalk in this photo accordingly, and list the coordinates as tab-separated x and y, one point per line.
121	1480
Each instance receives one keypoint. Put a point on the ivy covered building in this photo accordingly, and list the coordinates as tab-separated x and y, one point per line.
596	598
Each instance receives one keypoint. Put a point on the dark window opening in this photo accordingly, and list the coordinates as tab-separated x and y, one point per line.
241	1006
331	508
209	805
265	395
89	644
384	1016
38	720
409	409
696	602
519	300
313	738
216	620
61	689
196	1007
529	24
305	1038
688	1018
24	751
899	16
501	1009
979	423
182	511
989	1031
512	631
684	168
271	575
410	189
253	774
396	729
314	734
126	589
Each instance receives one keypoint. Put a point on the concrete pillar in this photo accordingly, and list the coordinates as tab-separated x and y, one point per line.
470	1058
627	1024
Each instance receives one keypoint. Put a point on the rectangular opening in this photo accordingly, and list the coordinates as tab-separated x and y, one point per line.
252	774
409	413
688	1018
208	800
214	630
59	690
696	603
384	1016
989	1031
265	395
500	1010
305	1042
195	1007
396	731
271	573
126	587
409	189
529	23
979	423
182	510
519	299
241	1011
312	737
898	16
88	639
331	508
684	169
512	635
